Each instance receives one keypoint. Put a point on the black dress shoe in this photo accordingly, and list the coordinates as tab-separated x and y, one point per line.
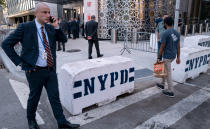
33	124
101	55
68	126
90	57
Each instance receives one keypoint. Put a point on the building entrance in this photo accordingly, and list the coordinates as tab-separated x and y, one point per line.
70	13
74	10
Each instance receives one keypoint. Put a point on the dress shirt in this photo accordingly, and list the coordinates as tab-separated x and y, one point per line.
40	61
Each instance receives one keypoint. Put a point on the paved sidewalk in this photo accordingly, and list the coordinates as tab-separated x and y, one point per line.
129	111
142	60
11	112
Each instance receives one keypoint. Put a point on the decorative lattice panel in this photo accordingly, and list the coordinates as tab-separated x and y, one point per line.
127	14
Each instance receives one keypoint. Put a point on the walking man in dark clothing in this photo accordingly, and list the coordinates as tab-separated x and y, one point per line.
38	60
91	29
170	49
64	27
69	29
78	27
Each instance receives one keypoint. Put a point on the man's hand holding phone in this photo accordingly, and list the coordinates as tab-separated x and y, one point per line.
53	21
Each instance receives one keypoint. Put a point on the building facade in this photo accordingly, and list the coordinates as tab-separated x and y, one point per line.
140	14
121	15
126	15
23	10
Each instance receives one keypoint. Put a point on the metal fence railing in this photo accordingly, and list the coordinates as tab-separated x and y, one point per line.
143	41
192	29
147	41
4	34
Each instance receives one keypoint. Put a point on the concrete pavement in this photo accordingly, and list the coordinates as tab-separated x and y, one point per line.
128	112
11	112
188	110
141	59
107	49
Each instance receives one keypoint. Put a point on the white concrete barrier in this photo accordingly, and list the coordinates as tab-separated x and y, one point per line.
198	40
193	62
96	81
153	41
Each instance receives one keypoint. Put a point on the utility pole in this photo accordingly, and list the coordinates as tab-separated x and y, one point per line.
176	14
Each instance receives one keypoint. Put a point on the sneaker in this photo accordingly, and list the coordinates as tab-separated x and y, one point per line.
160	86
169	94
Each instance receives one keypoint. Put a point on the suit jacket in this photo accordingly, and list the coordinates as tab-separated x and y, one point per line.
73	25
64	27
26	34
91	29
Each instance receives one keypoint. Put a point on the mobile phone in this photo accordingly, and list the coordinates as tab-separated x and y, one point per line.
51	19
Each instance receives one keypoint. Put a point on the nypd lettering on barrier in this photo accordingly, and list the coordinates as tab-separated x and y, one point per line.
89	83
204	44
197	62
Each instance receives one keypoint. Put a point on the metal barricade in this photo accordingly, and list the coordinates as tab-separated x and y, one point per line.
4	34
145	41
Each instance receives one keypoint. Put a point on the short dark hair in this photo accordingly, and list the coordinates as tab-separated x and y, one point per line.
169	21
93	17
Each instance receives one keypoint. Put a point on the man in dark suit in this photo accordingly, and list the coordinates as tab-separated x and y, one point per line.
64	27
69	28
91	29
78	27
74	28
38	59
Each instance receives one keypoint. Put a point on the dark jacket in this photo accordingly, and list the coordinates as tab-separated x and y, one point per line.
91	28
64	27
73	25
69	27
26	34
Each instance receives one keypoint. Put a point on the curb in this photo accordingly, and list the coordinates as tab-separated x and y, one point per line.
146	82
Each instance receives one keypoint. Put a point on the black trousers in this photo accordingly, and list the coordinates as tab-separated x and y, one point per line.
77	32
59	46
48	79
63	44
74	33
91	42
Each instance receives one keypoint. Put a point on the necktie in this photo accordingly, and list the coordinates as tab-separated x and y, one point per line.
47	49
